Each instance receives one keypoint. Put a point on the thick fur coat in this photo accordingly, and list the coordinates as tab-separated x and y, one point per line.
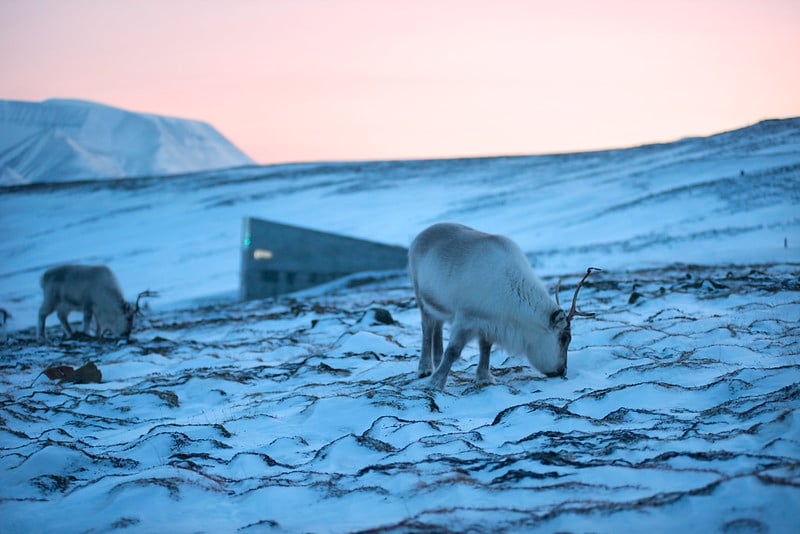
92	289
483	285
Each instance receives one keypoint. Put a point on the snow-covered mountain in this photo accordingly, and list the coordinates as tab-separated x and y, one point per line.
303	413
64	140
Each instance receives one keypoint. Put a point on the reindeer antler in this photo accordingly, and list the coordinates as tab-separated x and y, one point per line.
573	311
558	288
143	294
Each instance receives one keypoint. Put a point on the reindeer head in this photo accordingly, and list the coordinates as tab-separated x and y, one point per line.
560	325
121	324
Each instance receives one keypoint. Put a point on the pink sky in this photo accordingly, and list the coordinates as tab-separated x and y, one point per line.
309	80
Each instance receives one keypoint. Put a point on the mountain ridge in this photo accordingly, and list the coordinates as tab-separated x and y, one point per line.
61	140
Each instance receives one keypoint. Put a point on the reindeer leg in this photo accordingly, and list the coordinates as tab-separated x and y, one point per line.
458	339
98	327
428	336
46	309
437	345
484	374
63	315
87	318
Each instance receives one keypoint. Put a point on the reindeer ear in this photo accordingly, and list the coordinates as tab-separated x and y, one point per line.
558	320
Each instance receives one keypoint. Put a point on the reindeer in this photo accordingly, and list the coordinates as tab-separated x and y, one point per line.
483	285
92	289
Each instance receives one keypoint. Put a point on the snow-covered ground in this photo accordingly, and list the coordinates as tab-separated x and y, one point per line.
303	413
62	140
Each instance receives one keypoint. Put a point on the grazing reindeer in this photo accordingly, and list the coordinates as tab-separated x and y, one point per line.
484	286
92	289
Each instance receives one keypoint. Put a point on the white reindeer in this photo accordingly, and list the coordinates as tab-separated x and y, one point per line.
483	285
92	289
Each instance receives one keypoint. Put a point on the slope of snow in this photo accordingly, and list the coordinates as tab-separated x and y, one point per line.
693	201
64	140
304	414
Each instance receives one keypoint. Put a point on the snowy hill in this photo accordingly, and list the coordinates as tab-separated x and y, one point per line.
730	198
679	410
65	140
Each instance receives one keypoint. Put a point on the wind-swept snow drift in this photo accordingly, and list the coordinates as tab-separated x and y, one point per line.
65	140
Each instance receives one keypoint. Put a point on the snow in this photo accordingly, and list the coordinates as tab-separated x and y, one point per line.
62	140
304	413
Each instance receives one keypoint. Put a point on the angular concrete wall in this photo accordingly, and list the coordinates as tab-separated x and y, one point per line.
278	258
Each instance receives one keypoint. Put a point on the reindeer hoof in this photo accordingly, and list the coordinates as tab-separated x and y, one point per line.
437	383
487	380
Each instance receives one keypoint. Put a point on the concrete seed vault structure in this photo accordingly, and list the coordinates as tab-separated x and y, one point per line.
278	258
